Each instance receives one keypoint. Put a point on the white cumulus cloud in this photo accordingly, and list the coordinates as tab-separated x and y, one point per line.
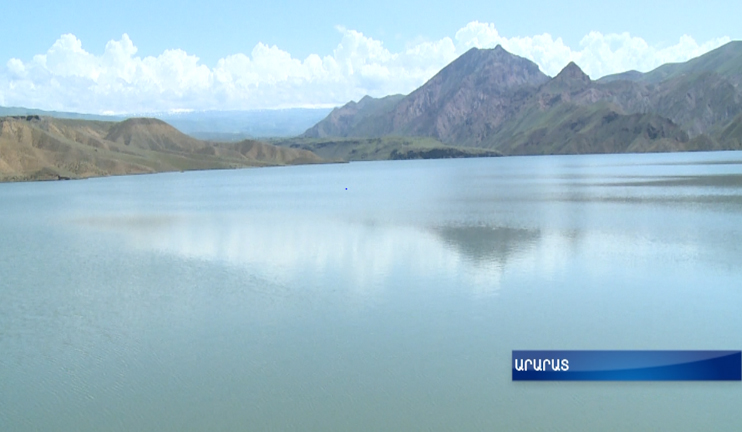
69	78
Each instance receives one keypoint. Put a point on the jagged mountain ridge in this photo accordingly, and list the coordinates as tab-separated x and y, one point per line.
481	85
496	100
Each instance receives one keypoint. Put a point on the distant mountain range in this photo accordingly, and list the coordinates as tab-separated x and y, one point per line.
210	125
491	99
239	125
46	148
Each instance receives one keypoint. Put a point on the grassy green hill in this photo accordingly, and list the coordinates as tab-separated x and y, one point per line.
391	147
724	61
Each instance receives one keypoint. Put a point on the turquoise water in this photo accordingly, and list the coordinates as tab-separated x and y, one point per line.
277	299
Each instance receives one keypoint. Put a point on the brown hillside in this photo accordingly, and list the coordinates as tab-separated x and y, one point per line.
27	151
41	148
152	134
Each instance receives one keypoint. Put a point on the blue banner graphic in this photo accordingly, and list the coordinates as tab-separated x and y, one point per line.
627	365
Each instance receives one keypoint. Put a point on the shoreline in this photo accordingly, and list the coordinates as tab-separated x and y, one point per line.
482	156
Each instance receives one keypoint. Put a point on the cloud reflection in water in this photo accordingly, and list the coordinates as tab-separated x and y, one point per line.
362	256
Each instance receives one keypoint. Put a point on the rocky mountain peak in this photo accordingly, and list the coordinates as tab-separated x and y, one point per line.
572	73
366	100
493	68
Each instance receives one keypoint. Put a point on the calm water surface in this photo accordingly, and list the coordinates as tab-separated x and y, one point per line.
381	296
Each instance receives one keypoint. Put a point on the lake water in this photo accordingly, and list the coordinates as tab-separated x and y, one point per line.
379	296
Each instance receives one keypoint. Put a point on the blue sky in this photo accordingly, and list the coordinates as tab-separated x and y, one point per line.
135	56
